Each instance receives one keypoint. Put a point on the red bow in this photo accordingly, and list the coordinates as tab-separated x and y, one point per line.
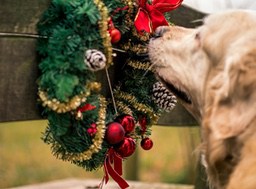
150	16
112	158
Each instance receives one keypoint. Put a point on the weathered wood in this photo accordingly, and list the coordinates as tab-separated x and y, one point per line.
18	71
18	61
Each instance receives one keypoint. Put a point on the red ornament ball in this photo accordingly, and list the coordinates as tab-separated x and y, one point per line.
114	133
127	122
126	148
115	35
146	143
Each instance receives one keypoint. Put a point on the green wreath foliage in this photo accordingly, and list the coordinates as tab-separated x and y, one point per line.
67	30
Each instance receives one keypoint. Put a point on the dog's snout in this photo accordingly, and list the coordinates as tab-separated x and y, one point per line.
160	31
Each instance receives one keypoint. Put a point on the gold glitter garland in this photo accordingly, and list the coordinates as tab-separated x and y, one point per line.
123	108
62	107
128	20
72	104
138	106
103	26
139	65
136	48
97	140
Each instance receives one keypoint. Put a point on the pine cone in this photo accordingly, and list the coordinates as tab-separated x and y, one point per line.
95	59
163	97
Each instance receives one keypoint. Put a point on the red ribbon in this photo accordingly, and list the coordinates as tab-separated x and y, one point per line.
143	124
86	107
113	159
150	16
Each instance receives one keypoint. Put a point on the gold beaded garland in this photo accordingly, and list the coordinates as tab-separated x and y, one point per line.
94	86
62	107
73	103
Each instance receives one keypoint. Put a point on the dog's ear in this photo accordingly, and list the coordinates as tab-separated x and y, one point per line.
233	95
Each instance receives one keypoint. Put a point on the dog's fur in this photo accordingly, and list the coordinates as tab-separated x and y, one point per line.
215	66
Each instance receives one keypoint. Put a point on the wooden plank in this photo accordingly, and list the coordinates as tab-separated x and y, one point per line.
18	61
18	71
21	16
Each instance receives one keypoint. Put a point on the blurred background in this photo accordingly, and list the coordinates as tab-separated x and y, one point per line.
26	159
211	6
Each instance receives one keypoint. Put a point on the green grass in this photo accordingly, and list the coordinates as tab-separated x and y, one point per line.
25	159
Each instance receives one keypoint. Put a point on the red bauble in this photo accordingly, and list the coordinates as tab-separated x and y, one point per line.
114	133
115	35
146	143
126	148
127	122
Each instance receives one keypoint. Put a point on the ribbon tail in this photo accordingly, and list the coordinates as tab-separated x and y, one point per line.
105	178
118	164
116	172
116	177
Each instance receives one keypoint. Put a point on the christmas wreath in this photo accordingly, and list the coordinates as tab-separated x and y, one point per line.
79	39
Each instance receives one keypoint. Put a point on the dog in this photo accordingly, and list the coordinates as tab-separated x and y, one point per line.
212	71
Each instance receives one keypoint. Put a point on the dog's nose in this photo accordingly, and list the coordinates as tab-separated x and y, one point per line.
160	31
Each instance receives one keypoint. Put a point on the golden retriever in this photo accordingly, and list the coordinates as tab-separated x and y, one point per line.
212	70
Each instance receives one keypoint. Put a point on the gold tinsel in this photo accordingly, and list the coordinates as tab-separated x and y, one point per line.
62	107
123	108
139	65
94	86
128	16
72	104
136	48
136	105
97	140
103	27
